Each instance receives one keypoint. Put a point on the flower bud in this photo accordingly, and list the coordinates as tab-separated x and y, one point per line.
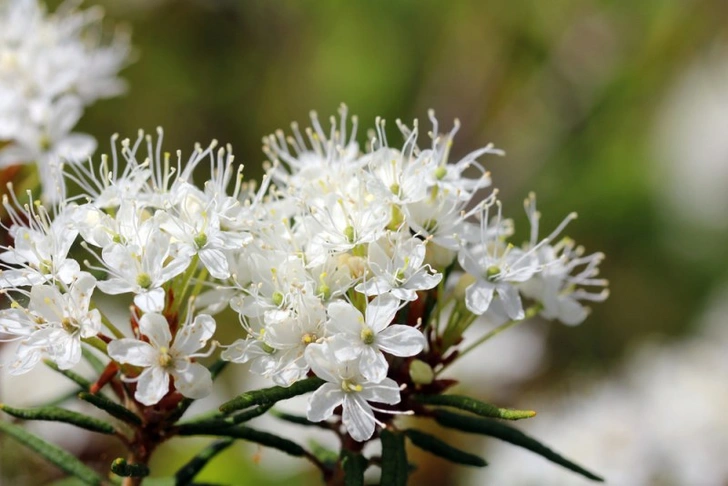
421	373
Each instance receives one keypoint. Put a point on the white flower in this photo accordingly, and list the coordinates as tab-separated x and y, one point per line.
42	243
349	388
160	360
143	269
398	269
357	337
196	224
53	324
53	66
290	331
340	223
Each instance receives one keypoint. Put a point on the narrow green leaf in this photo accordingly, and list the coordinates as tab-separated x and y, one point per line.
475	406
80	380
112	408
499	430
93	360
217	367
187	473
269	396
122	468
55	414
299	420
54	454
440	448
328	457
395	469
354	466
252	435
211	425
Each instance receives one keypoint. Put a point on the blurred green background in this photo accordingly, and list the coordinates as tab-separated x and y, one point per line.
583	95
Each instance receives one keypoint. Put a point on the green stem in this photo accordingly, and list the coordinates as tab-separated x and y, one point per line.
184	282
96	343
106	322
530	312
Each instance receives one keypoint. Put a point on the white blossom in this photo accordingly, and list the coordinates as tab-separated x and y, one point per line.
161	360
347	387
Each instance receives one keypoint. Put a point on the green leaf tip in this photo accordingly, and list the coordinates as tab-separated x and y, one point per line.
440	448
499	430
53	454
122	468
55	414
269	396
474	406
187	473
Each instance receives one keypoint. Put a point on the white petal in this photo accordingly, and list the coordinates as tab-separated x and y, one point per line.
66	351
153	384
68	271
323	402
381	312
215	262
346	347
385	392
193	380
374	286
195	335
407	295
373	365
156	328
75	147
478	297
571	312
401	340
114	286
47	301
64	115
151	300
511	301
322	362
358	417
423	280
133	352
344	317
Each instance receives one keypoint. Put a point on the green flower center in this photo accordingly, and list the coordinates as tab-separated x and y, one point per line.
367	336
144	280
200	240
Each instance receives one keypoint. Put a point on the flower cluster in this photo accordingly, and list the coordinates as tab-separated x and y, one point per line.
52	66
343	264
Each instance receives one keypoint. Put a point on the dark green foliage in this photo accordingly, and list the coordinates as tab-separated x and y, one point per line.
252	435
54	454
493	428
475	406
269	396
55	414
187	473
353	465
112	408
440	448
395	469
